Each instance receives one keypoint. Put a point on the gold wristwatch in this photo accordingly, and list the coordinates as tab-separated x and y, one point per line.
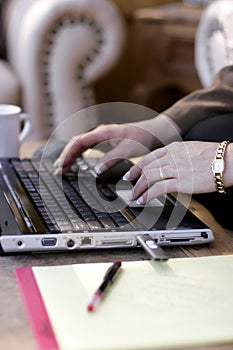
218	166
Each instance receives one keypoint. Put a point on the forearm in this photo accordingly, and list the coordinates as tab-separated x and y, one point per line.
163	130
205	103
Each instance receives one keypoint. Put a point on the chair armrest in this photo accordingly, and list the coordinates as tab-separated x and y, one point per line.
63	47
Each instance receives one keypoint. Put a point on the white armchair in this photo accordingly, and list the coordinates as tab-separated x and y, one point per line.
214	40
58	49
9	85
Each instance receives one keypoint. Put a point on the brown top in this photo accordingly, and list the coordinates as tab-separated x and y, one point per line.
205	103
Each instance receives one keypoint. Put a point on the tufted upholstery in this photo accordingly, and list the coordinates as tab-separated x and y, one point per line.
58	50
214	40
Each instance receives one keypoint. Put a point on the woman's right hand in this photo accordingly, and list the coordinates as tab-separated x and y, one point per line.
127	140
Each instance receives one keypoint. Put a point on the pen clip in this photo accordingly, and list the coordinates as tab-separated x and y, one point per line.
107	272
116	265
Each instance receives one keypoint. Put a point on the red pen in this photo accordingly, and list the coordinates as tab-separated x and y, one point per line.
107	280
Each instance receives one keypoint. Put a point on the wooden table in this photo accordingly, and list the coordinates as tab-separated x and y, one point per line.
15	333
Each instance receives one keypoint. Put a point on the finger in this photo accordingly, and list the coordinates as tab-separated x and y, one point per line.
158	155
81	143
148	177
134	173
123	150
109	160
139	188
69	150
151	175
155	169
136	170
158	189
155	159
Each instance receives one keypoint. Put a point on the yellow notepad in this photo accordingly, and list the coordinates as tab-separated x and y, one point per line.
151	304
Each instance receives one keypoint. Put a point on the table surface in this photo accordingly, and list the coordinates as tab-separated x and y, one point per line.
15	332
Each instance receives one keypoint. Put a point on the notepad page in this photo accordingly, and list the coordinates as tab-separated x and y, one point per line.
150	305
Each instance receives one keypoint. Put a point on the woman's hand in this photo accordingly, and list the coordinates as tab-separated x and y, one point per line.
179	167
127	140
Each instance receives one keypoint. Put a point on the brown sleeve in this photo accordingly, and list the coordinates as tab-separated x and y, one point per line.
205	103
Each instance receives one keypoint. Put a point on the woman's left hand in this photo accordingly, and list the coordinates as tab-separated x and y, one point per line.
179	167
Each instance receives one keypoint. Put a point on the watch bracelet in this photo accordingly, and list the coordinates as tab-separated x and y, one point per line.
219	184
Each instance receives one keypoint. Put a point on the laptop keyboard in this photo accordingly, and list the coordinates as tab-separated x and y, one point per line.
70	203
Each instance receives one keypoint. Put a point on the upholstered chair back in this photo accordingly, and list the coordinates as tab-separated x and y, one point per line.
59	49
214	40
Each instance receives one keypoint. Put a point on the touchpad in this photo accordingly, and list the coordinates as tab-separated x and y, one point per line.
125	195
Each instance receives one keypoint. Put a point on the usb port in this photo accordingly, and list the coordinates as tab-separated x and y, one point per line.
49	242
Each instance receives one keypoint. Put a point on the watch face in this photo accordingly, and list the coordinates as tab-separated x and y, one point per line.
218	165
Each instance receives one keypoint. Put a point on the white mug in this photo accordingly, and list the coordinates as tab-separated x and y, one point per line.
10	134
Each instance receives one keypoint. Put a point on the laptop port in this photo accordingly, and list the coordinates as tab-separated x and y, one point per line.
49	242
116	242
179	240
70	243
20	244
85	241
204	235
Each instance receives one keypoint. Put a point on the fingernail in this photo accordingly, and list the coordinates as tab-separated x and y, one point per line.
126	176
100	168
140	201
58	163
58	171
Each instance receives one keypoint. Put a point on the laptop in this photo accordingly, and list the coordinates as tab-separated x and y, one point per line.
41	212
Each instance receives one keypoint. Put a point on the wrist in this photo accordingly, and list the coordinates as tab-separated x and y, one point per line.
228	173
218	166
165	130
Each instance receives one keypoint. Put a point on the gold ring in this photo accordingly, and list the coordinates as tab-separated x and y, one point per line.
161	176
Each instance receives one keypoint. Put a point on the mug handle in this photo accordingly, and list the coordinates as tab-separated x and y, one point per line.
27	125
